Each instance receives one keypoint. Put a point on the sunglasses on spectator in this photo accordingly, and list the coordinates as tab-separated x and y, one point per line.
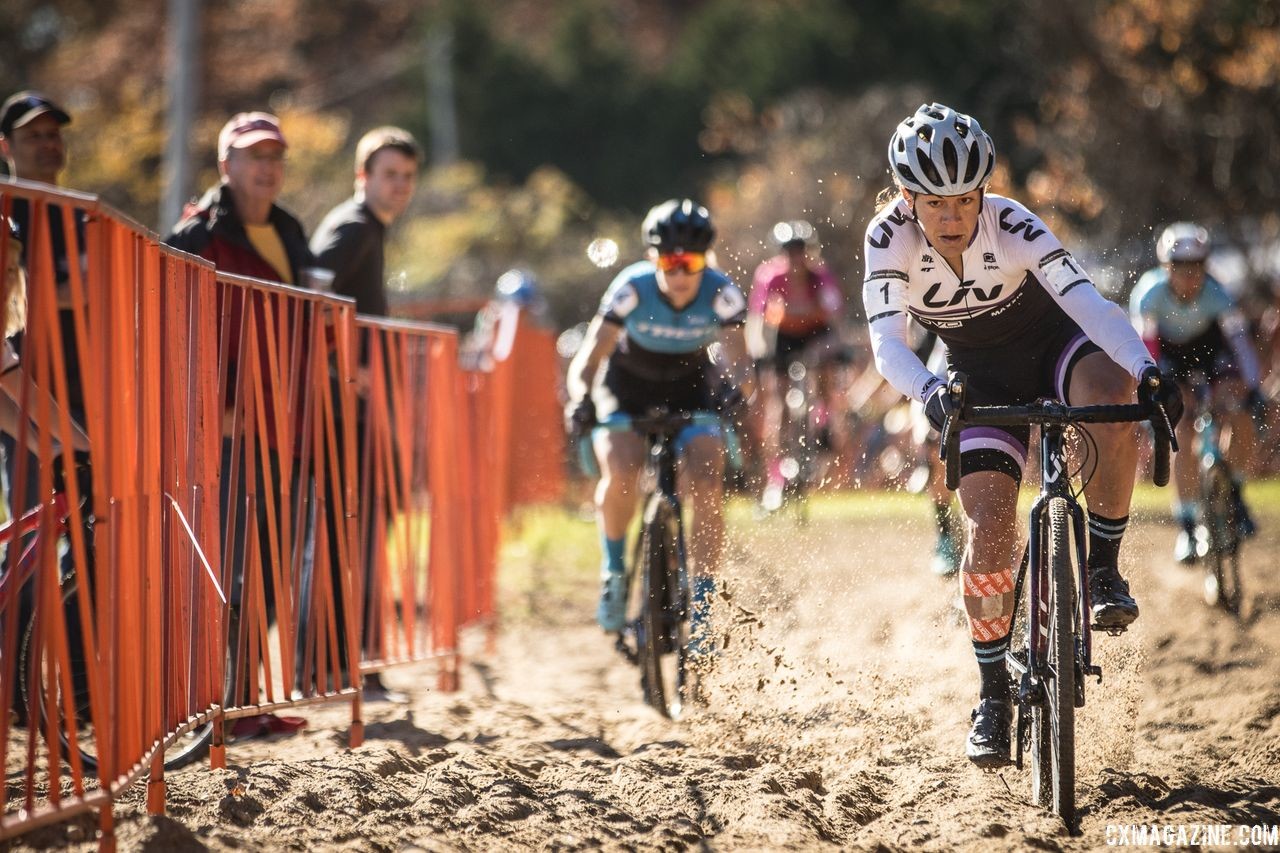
689	262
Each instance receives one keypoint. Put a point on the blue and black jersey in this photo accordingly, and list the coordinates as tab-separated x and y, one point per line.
659	341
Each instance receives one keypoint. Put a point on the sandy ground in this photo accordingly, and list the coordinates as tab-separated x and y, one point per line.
836	721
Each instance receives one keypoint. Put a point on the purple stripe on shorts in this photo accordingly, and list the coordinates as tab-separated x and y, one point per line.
1064	359
993	437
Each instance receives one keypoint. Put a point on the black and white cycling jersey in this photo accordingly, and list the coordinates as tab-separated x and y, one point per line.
1016	279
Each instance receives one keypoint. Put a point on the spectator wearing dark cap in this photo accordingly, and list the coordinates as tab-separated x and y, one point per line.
31	141
239	227
350	243
31	137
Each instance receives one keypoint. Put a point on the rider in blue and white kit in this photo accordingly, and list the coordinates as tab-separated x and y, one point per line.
650	345
1021	318
1195	331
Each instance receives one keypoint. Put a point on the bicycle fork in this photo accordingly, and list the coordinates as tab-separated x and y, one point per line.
1031	688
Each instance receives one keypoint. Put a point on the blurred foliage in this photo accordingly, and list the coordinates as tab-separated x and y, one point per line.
1111	117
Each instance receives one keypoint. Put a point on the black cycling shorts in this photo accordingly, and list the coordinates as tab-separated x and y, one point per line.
1022	371
1207	353
790	347
621	391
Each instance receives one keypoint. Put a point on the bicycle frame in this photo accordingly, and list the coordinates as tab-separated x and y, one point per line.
1055	482
659	572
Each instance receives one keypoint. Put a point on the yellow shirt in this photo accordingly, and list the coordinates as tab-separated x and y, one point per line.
267	241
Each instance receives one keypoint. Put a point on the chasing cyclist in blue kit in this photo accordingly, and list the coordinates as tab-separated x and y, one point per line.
1023	320
651	344
1195	331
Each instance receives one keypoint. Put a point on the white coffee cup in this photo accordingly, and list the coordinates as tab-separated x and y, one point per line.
318	279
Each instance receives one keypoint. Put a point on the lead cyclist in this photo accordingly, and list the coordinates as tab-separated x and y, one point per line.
1023	320
652	343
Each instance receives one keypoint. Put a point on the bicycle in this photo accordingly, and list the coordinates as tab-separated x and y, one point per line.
655	636
36	692
804	434
1054	654
1220	508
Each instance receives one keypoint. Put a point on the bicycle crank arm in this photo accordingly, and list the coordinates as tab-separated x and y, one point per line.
625	650
1030	691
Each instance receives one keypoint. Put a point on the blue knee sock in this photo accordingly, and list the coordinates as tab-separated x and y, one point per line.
614	560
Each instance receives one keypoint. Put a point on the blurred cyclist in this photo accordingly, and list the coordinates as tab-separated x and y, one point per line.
1196	333
651	345
795	306
1022	319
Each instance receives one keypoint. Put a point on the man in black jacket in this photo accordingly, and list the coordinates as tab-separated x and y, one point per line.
350	242
351	238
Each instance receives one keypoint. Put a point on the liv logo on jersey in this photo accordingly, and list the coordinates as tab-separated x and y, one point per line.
1028	231
885	232
963	292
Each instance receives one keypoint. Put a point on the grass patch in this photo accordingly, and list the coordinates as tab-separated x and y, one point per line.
550	554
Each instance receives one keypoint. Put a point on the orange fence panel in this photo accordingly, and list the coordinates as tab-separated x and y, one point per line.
276	498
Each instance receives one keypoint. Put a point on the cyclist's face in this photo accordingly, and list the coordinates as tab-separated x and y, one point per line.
1186	279
948	220
678	284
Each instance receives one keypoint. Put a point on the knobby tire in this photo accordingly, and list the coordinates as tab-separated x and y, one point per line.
661	627
1053	721
1222	581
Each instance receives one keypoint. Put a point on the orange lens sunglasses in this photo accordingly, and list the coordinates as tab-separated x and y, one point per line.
689	262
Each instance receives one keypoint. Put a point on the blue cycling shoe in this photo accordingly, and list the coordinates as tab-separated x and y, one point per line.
612	612
946	556
701	590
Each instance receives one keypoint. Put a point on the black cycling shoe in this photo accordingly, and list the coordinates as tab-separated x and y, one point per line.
1244	519
988	743
1113	607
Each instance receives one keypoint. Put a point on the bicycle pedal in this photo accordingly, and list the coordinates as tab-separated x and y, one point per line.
1113	630
1095	671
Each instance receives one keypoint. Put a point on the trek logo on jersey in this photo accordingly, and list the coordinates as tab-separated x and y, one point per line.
675	333
962	294
885	232
1028	231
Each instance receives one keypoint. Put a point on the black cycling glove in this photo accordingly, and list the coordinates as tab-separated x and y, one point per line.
938	405
1164	390
579	417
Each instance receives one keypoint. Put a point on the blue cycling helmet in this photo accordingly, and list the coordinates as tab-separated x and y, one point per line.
517	285
678	225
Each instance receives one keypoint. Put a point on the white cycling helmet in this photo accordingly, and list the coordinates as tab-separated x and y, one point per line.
1183	242
941	152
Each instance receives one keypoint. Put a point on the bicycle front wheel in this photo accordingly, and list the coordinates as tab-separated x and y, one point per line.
1053	757
1222	523
74	671
659	602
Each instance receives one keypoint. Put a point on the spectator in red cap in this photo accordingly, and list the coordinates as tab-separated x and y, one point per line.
239	227
238	224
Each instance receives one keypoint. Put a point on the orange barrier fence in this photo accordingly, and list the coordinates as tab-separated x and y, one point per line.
111	651
277	498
